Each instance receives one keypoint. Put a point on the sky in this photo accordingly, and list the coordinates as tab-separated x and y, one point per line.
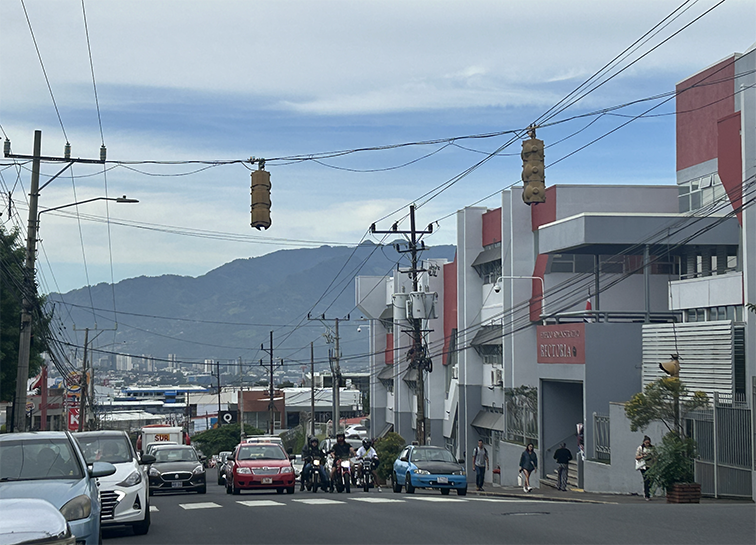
286	81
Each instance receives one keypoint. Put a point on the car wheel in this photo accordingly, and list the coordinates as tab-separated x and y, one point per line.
202	490
395	483
290	490
445	491
279	490
143	526
408	484
462	491
235	491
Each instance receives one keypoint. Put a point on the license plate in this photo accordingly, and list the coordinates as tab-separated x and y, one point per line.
175	484
443	480
267	480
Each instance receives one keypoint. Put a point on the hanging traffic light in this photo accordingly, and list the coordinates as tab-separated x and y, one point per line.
534	190
260	192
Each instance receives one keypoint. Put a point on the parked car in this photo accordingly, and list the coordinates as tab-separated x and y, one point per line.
221	466
429	467
258	466
33	521
125	494
50	465
177	468
356	431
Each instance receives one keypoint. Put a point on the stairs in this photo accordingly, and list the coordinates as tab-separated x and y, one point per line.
551	479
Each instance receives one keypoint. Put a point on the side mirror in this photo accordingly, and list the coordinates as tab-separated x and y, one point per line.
147	459
101	469
403	459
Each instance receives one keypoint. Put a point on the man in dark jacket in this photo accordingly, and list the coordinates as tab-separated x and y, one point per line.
562	457
311	452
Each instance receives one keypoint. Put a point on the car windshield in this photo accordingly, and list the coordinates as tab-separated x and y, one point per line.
175	455
260	452
35	459
432	455
113	449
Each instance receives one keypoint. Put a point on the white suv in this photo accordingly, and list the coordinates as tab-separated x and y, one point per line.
123	495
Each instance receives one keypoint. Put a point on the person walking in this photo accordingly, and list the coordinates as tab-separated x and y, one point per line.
480	462
528	464
642	462
562	457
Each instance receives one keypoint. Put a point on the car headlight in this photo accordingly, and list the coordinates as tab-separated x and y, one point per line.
78	508
131	480
154	472
460	472
287	470
243	471
198	470
421	472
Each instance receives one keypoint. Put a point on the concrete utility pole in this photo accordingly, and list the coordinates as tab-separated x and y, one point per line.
241	399
271	404
312	389
335	371
83	389
217	371
419	360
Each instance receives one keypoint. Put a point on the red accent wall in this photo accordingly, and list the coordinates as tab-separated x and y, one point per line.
388	355
699	109
492	227
730	162
541	214
450	304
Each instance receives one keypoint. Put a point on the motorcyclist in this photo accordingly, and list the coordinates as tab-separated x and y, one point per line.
310	452
367	451
341	450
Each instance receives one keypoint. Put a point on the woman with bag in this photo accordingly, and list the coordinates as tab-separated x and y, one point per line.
642	461
528	464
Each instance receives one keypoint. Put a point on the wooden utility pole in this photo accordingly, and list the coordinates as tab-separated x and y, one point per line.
419	360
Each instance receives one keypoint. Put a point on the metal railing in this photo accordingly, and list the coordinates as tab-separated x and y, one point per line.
602	446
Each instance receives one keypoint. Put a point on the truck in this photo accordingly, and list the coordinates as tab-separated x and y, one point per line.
161	434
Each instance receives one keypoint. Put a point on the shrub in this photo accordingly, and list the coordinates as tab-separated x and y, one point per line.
388	448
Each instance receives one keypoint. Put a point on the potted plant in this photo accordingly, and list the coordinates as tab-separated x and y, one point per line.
671	466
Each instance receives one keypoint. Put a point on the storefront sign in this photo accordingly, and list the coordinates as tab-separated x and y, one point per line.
562	343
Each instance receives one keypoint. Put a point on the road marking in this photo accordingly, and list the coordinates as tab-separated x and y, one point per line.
260	503
199	505
315	501
153	509
377	500
438	499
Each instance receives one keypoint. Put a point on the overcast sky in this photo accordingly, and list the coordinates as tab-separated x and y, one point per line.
197	80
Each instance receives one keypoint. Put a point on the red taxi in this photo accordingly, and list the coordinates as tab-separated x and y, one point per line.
259	466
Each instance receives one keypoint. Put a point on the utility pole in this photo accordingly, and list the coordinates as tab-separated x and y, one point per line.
241	399
29	283
335	370
217	371
271	404
312	389
418	361
83	389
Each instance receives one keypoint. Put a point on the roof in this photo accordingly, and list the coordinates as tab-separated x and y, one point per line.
488	334
489	421
487	256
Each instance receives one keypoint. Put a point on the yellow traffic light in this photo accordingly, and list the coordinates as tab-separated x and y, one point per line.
533	177
260	191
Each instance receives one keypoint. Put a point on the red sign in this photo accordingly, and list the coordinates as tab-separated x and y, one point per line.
562	343
73	419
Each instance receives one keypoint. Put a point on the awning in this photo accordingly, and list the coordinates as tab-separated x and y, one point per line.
387	373
487	256
387	428
489	421
488	334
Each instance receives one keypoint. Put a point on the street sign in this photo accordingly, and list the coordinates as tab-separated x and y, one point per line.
29	408
73	419
228	417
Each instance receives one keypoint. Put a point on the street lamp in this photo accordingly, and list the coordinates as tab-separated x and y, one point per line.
122	199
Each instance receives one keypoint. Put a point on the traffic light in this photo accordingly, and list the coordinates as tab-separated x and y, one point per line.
260	191
534	190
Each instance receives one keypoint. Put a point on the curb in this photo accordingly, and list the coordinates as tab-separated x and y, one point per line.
541	497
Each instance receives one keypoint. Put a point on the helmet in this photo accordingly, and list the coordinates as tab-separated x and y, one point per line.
312	440
366	443
341	435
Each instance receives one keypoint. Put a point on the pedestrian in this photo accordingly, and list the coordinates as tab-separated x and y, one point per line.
562	457
528	464
642	462
480	462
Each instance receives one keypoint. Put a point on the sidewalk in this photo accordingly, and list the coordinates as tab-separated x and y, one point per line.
576	495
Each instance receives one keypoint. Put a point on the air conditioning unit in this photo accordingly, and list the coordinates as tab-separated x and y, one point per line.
497	377
455	372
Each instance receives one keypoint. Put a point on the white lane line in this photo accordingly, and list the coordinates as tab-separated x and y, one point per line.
260	503
153	509
199	505
315	501
378	500
440	499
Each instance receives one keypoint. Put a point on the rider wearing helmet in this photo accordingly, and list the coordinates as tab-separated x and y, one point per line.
367	451
310	451
341	451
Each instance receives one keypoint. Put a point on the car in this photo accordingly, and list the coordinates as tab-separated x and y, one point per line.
356	431
125	494
50	465
259	466
150	448
221	466
298	464
33	521
429	467
177	468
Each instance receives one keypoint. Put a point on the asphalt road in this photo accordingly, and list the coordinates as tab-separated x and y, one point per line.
428	517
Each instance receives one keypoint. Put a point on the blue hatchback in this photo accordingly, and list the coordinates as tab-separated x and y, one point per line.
429	467
50	466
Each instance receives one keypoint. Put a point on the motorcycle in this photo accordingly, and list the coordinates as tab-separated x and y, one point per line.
314	479
343	477
366	465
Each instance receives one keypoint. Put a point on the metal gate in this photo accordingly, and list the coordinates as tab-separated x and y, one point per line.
725	447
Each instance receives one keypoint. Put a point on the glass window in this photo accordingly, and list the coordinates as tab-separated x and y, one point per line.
115	450
37	459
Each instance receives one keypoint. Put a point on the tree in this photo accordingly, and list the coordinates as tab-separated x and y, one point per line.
388	448
665	400
222	438
12	257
